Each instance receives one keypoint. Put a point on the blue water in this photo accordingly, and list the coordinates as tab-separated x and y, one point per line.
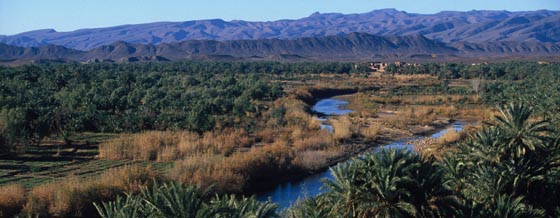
405	143
286	194
331	106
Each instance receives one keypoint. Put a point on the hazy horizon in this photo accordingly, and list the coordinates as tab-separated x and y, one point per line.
67	15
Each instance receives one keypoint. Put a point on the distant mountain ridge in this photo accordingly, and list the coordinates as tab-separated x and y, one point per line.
348	47
448	26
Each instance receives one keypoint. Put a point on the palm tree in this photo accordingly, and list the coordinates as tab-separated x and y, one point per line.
167	200
128	207
505	206
430	196
174	200
519	134
455	173
310	208
232	207
375	185
387	179
483	148
513	157
342	190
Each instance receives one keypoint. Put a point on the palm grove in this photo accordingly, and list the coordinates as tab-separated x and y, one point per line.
509	168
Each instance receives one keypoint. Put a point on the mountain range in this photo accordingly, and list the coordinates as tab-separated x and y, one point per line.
351	47
381	34
447	26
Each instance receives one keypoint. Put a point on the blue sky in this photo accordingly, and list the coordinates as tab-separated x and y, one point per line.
65	15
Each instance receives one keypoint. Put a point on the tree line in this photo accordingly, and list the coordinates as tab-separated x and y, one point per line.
62	99
512	70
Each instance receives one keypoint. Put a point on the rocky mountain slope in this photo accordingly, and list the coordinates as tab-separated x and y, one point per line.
351	47
448	26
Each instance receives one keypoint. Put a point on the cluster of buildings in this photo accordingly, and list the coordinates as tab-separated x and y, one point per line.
380	67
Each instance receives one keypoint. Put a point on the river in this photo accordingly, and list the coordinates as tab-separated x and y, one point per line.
287	193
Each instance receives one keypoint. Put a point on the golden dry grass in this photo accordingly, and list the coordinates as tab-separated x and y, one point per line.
478	114
318	141
232	173
425	99
169	146
342	127
314	160
372	131
12	197
209	170
141	146
450	136
118	148
74	196
278	148
438	147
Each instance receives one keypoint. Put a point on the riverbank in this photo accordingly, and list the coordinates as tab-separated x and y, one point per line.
354	146
290	189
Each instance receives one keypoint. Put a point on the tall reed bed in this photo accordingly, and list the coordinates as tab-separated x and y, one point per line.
342	128
233	173
316	159
372	131
231	159
168	145
12	197
73	196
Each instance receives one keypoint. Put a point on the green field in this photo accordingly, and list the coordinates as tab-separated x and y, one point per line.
40	164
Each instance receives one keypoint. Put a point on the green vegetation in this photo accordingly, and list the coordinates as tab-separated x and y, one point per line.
56	159
501	83
173	200
73	135
508	169
39	101
45	100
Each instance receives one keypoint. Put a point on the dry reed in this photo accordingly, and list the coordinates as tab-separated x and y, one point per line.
234	172
314	160
372	131
12	197
342	128
450	136
169	146
74	196
317	141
